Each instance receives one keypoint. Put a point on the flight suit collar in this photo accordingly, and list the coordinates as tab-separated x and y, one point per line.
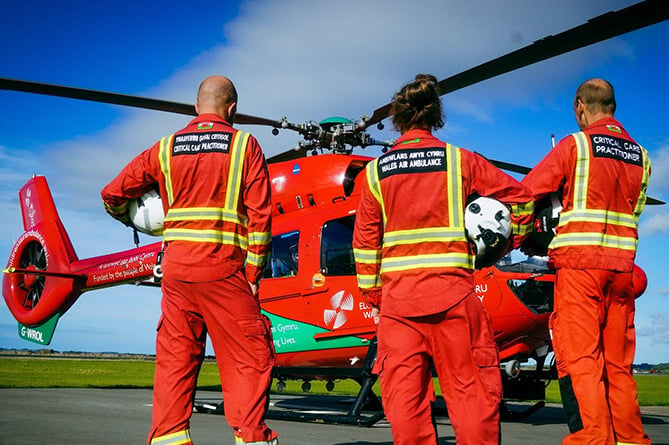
209	117
603	123
414	134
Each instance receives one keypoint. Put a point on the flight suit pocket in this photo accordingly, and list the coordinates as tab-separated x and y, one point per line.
485	357
256	332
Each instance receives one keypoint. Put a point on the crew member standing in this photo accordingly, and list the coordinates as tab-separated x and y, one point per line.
214	185
415	265
602	175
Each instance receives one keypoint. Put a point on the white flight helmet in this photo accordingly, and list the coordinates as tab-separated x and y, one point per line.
146	213
484	215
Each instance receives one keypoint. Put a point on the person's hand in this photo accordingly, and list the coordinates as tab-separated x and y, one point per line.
254	288
528	249
376	314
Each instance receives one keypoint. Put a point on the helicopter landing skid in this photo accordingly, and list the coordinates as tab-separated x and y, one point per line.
319	409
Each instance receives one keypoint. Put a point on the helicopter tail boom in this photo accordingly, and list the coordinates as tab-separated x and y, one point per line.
38	283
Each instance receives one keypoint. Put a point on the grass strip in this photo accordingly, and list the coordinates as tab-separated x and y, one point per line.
31	372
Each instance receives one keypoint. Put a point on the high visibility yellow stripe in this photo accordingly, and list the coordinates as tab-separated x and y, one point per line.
206	236
415	236
454	175
375	185
237	154
118	209
178	438
204	213
259	238
582	175
523	209
641	201
369	281
367	256
255	259
594	239
165	158
520	210
598	216
395	264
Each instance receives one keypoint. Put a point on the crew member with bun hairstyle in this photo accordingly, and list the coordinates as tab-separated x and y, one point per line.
415	267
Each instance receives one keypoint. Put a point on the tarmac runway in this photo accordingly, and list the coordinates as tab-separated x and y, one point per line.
123	416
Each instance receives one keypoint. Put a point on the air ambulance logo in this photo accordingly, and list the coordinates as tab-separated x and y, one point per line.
336	317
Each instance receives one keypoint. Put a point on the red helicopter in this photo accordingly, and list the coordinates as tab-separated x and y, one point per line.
322	328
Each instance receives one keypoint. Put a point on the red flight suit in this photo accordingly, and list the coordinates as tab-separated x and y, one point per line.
214	185
602	175
413	260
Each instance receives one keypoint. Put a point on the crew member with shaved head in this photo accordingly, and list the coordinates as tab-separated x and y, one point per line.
214	185
602	175
415	266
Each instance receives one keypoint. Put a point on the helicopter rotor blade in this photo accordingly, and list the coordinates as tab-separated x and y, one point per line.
605	26
288	155
119	99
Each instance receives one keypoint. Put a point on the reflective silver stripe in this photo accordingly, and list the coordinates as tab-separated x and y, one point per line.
118	209
205	213
227	213
259	238
206	236
454	174
581	212
165	158
375	185
432	234
235	173
453	233
582	171
256	259
367	256
395	264
521	210
178	438
599	216
641	201
369	281
594	239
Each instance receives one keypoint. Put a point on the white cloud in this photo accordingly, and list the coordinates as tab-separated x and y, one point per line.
308	61
659	180
657	328
299	60
657	222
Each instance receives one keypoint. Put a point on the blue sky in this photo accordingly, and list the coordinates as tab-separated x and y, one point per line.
306	60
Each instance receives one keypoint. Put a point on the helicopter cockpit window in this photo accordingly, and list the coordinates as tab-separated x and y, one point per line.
284	257
337	247
536	295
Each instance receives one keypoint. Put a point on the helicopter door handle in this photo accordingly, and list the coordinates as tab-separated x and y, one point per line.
317	285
